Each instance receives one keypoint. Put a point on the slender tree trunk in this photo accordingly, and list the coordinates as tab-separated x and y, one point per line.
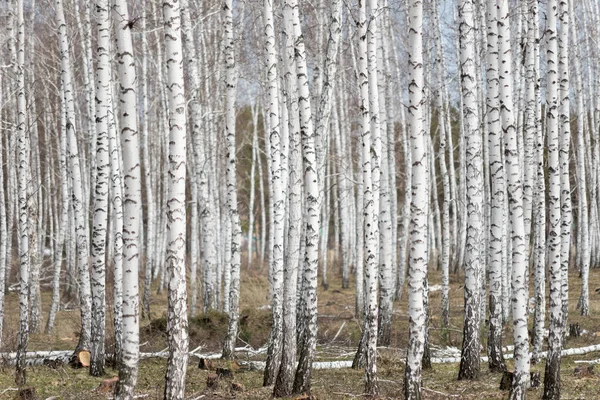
518	259
103	103
236	229
498	209
252	200
278	200
23	204
583	248
85	298
311	205
469	365
418	255
555	338
132	199
117	237
564	94
177	320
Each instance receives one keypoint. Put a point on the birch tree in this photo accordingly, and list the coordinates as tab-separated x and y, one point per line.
552	370
75	169
418	253
469	364
278	200
312	204
291	165
518	259
236	229
103	102
128	364
177	322
497	223
23	204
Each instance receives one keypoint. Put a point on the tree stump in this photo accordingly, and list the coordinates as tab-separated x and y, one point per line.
81	359
205	364
506	381
584	370
574	330
224	373
237	387
108	385
27	393
212	381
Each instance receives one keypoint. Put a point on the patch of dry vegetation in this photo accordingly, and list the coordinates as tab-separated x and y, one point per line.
339	332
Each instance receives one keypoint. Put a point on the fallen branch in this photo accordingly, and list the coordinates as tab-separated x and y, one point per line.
587	361
565	352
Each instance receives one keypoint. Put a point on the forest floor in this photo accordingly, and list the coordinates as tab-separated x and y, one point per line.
338	335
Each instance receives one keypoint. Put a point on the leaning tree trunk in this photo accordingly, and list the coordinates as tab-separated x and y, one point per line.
177	322
132	201
77	182
418	254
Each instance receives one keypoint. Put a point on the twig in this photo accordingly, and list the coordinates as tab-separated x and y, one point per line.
338	332
9	390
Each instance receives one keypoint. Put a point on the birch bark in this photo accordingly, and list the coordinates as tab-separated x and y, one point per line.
23	204
103	102
418	254
236	229
177	322
552	370
128	365
469	365
77	182
519	257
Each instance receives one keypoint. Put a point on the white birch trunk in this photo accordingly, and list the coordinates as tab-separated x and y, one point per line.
277	205
23	204
473	259
564	93
236	230
552	370
419	209
177	323
498	208
100	198
519	257
77	182
312	202
128	365
117	236
583	249
252	200
291	164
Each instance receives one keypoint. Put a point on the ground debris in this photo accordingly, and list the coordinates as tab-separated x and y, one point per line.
108	385
584	371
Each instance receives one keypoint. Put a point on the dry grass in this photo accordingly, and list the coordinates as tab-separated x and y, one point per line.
339	332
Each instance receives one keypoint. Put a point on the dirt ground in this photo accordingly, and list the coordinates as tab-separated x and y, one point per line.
339	332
